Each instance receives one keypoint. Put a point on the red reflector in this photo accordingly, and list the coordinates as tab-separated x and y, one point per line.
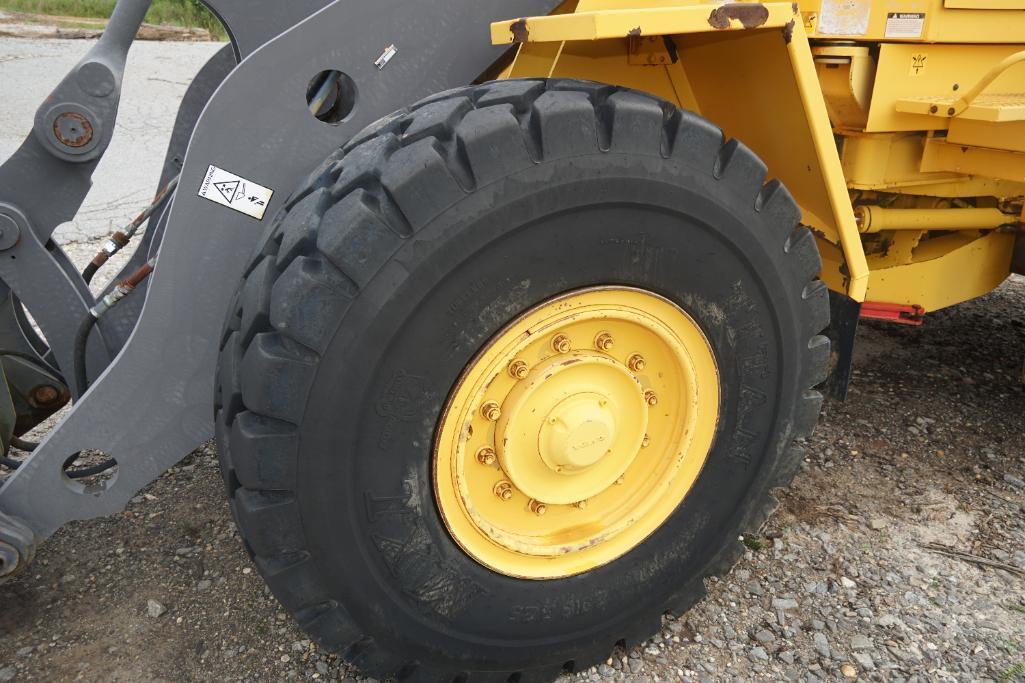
894	313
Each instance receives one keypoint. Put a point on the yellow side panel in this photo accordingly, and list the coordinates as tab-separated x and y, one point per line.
963	273
907	71
895	20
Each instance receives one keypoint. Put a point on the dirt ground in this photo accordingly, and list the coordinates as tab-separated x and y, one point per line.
840	584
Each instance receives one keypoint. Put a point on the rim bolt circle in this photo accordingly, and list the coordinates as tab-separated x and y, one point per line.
651	398
504	490
487	456
646	441
537	508
561	344
636	362
604	341
491	411
518	369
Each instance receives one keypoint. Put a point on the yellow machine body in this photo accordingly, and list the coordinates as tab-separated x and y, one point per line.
909	114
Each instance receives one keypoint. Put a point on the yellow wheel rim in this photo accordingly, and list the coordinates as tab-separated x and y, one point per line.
576	432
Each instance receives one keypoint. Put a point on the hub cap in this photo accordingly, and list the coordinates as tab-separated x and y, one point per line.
601	407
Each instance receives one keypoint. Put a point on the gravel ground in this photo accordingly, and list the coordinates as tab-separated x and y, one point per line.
839	585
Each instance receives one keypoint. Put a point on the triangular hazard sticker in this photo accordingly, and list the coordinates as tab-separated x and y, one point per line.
227	189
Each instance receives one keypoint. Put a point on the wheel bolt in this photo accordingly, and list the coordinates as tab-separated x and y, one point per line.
646	441
486	456
603	342
636	362
560	344
491	411
518	369
504	490
651	398
537	508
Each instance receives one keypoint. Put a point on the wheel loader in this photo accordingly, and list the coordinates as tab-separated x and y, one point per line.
507	315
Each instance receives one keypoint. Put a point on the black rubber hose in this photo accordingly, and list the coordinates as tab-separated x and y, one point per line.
81	343
23	445
89	272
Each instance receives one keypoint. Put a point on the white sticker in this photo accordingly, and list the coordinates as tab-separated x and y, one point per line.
235	192
905	24
844	17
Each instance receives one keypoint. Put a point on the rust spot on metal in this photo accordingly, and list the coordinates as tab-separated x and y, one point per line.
749	14
788	32
73	129
634	32
520	32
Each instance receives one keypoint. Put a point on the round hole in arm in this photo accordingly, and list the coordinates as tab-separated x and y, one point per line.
331	96
89	472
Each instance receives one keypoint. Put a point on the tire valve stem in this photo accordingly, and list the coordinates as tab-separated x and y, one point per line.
537	508
504	490
486	456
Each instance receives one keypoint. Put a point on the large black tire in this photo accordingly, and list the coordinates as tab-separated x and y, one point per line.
380	280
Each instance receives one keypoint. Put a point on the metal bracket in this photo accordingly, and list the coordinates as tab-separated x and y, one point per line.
153	405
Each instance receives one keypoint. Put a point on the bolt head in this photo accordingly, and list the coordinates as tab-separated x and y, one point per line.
537	508
561	344
636	362
518	369
646	441
491	411
504	490
487	456
651	398
604	341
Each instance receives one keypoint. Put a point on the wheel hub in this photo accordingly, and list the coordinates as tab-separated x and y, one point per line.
601	406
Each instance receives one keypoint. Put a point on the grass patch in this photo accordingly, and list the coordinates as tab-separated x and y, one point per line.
188	13
1011	673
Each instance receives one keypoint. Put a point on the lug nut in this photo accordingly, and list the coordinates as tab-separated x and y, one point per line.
537	508
646	441
504	490
486	456
636	362
560	344
603	342
651	398
491	411
518	369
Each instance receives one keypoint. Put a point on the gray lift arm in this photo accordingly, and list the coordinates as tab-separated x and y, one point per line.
153	403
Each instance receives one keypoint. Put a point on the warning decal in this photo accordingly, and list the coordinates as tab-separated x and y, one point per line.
905	24
235	192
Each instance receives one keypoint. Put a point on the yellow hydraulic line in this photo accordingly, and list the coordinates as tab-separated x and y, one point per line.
877	218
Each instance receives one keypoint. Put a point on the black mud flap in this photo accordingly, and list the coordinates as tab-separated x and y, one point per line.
844	313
